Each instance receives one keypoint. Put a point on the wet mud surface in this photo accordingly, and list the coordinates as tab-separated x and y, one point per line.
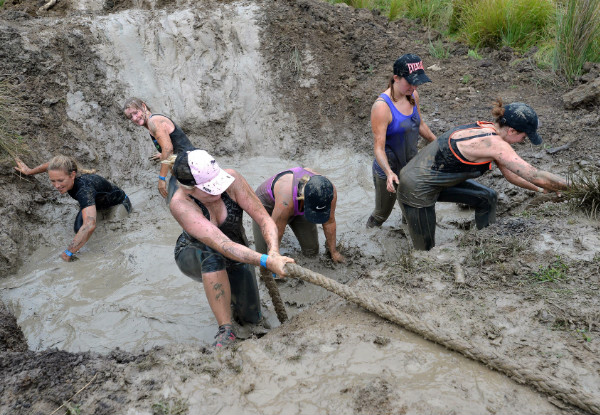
296	79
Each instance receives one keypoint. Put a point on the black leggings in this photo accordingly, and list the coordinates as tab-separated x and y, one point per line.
421	221
108	200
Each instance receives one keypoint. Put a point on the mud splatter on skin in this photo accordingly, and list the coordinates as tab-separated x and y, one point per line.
347	60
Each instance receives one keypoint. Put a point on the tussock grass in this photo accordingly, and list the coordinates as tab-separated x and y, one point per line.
438	50
515	23
584	193
433	13
577	36
12	113
565	32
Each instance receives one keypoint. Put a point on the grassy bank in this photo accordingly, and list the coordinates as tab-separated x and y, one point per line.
566	33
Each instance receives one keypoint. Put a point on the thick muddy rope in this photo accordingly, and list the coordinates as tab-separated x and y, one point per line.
546	384
275	296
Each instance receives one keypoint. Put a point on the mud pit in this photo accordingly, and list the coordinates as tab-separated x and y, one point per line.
298	79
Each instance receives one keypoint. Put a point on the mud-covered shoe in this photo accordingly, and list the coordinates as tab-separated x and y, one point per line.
225	336
373	223
127	203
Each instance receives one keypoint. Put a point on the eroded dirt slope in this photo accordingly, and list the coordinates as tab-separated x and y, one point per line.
326	64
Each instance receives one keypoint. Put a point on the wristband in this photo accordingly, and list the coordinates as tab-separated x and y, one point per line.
263	260
69	253
164	179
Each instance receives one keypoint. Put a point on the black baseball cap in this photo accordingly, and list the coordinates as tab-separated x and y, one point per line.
318	194
522	118
410	67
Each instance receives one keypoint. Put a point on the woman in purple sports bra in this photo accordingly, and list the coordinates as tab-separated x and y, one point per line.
397	125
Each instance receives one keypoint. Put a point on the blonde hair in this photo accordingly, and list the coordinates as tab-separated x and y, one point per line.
170	160
136	103
67	164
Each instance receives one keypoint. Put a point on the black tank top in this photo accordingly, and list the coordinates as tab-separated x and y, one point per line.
232	226
179	140
449	159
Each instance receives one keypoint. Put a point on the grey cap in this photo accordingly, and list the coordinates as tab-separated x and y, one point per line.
522	118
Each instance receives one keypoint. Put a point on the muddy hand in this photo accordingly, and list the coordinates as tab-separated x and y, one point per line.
276	264
66	257
22	167
337	257
162	188
154	157
392	182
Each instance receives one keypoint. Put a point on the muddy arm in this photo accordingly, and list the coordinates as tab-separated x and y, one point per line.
329	229
84	233
516	180
23	168
191	219
160	129
525	171
380	119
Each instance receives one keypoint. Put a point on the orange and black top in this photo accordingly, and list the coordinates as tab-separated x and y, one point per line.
450	159
441	165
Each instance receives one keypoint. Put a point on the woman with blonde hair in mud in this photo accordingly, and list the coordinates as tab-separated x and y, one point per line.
93	193
397	124
443	170
167	137
213	248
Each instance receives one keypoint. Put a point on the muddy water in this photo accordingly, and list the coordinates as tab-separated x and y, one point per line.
126	291
399	373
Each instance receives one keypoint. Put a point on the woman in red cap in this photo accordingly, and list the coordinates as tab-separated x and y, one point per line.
213	248
443	170
397	124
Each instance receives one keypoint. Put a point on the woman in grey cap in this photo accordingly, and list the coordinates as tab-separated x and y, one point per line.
301	198
397	124
443	170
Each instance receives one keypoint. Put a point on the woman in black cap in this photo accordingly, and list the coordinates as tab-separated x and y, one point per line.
301	198
167	137
213	248
397	124
442	170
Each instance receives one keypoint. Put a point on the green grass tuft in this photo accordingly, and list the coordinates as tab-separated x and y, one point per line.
516	23
438	50
556	271
584	192
566	32
577	36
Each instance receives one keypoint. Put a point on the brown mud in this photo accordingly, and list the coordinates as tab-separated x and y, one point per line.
298	78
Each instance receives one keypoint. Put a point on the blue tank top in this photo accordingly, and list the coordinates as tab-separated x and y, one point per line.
401	138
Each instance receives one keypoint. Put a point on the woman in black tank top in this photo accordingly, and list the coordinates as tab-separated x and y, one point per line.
213	249
167	137
443	170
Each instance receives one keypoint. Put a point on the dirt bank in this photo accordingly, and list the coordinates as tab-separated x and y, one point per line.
296	77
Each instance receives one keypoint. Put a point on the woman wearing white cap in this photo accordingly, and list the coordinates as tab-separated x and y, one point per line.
213	248
443	170
397	124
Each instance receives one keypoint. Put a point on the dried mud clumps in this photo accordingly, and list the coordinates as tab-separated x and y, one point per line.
11	336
